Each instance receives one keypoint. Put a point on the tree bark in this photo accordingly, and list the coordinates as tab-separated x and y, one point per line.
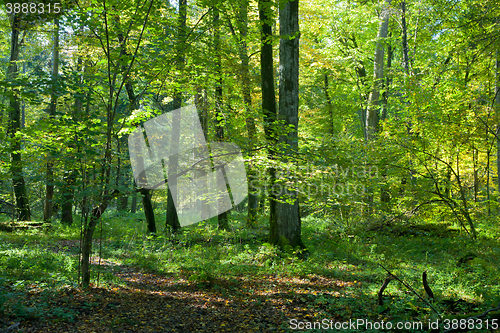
49	188
288	221
242	21
268	102
222	218
172	218
22	202
329	105
133	104
406	59
372	110
201	101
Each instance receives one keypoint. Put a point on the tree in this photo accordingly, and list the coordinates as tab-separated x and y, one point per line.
106	193
49	188
172	217
241	38
222	218
372	109
16	167
288	224
268	101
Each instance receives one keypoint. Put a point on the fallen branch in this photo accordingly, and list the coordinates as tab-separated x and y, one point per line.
388	279
426	285
412	290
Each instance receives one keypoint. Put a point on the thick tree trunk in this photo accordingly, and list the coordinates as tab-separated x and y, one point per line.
288	221
268	102
16	168
148	209
49	188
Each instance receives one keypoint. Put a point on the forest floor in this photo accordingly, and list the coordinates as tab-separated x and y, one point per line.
207	281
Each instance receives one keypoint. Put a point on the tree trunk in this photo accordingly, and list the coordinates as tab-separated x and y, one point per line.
329	105
133	103
49	188
107	159
87	238
201	101
247	101
222	218
67	194
122	202
406	59
133	204
16	168
288	223
268	102
372	110
172	218
148	209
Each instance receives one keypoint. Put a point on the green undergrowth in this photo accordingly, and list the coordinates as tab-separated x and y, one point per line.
462	273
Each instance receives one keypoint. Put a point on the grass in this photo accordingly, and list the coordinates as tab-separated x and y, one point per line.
46	260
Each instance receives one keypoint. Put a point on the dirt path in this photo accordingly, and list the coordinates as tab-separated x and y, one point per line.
158	303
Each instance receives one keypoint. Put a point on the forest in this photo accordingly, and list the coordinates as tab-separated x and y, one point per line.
249	166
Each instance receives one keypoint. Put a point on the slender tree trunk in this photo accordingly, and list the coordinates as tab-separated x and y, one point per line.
133	204
16	168
268	103
288	221
146	194
172	218
329	103
121	176
250	121
71	174
201	101
406	59
49	188
222	218
372	110
247	100
387	85
475	167
374	99
87	237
